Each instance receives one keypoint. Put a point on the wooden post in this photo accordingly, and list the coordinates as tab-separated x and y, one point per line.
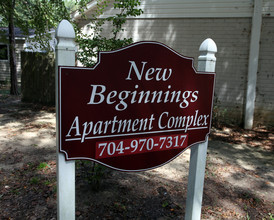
65	55
206	63
253	64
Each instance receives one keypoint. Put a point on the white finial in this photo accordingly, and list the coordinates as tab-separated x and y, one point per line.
65	30
65	36
208	45
207	59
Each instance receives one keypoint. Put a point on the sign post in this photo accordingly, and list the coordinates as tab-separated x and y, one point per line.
65	55
138	108
206	63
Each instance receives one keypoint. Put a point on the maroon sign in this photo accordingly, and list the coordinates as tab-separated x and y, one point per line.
138	108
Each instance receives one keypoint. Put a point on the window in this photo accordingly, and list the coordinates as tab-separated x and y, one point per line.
3	52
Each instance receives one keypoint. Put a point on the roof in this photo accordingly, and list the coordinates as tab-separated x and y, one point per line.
17	31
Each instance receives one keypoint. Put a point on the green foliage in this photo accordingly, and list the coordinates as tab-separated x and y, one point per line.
15	191
34	180
89	48
218	114
38	15
127	8
165	204
42	166
90	45
120	207
92	172
70	5
47	182
44	15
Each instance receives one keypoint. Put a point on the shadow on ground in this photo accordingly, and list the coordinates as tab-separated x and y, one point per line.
238	180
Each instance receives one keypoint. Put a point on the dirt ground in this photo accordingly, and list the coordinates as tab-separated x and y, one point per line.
239	179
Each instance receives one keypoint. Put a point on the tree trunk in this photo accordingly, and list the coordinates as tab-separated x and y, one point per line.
13	72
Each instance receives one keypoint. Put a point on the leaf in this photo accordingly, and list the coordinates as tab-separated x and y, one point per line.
165	204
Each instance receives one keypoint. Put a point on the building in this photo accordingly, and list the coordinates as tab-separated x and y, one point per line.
244	34
4	52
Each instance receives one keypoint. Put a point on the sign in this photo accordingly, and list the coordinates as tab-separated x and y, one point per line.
138	108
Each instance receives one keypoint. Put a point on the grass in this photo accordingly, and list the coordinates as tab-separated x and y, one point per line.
34	180
42	166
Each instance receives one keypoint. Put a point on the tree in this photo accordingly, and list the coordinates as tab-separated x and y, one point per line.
71	5
90	45
13	75
40	15
8	8
44	15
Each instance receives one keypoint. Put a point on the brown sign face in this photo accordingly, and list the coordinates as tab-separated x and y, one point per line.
138	108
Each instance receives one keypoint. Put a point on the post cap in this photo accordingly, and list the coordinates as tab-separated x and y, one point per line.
208	45
65	30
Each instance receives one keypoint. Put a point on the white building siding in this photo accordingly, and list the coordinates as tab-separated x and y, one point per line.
264	105
19	48
5	65
268	8
4	70
232	36
198	8
184	24
194	8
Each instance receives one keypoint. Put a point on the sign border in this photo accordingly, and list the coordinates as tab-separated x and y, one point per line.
93	68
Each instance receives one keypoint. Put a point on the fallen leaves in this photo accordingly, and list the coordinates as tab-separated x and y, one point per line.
29	192
258	137
24	191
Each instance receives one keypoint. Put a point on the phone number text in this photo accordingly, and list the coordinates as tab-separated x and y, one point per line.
140	145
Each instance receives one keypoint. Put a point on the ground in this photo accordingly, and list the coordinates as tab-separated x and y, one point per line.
239	178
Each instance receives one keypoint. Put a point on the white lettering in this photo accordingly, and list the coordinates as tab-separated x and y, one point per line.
76	127
163	77
160	73
94	93
160	119
138	74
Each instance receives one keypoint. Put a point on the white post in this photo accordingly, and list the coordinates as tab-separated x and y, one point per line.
253	64
65	55
206	63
